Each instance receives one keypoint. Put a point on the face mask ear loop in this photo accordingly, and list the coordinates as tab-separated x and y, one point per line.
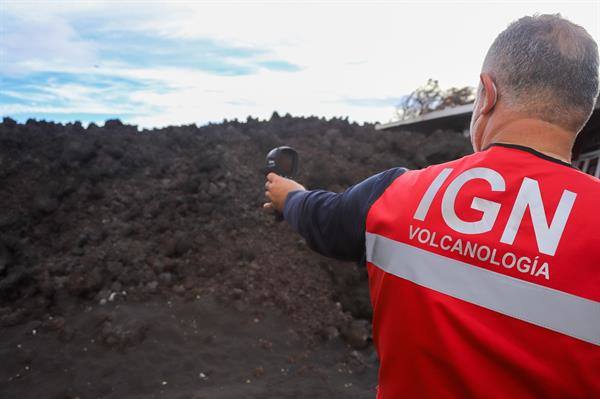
495	93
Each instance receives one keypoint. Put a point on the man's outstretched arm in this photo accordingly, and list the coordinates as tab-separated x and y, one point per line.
332	224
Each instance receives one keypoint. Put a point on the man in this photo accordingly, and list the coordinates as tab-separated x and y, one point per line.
484	272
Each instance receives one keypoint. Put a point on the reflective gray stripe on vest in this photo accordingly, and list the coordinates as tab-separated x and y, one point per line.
546	307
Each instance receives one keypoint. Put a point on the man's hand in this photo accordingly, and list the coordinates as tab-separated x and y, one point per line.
277	189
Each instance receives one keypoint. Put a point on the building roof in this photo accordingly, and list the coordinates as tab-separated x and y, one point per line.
443	115
448	118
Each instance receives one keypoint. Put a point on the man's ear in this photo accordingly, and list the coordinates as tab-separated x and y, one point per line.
490	93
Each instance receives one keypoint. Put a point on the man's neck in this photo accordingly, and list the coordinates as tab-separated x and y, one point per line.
542	136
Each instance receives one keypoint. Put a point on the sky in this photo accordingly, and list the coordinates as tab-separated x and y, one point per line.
159	63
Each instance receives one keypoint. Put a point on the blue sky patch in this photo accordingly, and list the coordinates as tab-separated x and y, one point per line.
51	90
92	46
280	66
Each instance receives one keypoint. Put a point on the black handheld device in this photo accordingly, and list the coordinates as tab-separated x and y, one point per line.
284	161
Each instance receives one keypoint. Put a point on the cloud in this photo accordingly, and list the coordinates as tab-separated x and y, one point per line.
157	63
89	66
373	101
57	43
39	39
204	54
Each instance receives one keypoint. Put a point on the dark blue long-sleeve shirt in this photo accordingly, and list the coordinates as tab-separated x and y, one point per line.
334	224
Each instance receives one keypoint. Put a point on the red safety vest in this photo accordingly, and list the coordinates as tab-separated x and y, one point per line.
484	278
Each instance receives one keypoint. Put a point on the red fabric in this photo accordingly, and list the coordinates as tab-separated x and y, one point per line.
434	345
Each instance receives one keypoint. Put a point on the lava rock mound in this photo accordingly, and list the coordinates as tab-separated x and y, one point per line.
113	213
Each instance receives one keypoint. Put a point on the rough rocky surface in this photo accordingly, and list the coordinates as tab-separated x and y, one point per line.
111	216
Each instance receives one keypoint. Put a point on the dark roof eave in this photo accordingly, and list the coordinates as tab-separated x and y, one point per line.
446	113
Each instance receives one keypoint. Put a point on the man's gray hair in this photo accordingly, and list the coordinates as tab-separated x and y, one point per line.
547	67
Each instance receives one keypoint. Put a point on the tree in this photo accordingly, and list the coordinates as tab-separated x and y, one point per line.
431	97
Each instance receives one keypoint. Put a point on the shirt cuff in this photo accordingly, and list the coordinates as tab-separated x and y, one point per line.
291	200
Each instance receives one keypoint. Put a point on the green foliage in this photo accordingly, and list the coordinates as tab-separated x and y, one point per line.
430	97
